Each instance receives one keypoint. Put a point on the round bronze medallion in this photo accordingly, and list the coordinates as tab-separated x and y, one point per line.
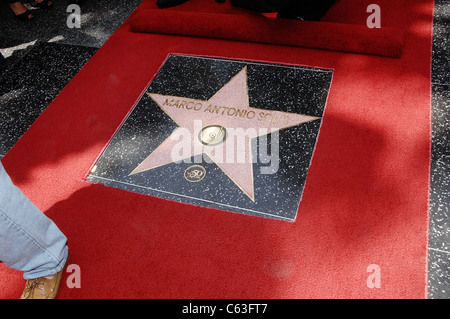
212	135
195	173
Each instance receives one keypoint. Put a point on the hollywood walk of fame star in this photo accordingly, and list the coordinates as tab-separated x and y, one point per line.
226	111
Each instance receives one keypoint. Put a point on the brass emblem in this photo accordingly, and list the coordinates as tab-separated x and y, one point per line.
195	173
212	135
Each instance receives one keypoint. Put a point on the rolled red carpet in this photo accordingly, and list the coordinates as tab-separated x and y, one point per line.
354	38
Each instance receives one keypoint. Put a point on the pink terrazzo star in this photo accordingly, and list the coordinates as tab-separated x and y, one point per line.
228	108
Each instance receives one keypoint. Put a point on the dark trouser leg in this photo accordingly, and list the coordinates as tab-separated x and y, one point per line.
292	9
263	5
312	10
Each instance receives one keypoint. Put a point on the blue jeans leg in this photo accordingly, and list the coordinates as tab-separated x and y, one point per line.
29	240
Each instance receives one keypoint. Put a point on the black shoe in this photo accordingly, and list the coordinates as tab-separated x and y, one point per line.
169	3
290	15
26	16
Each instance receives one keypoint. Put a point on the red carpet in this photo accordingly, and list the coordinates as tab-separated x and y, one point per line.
318	35
365	200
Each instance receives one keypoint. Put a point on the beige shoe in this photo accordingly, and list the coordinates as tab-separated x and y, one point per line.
43	288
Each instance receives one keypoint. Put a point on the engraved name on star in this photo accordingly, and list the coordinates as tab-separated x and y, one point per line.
228	108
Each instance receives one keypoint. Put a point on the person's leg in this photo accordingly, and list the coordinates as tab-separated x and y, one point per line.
43	4
291	9
19	9
312	10
29	240
163	4
262	5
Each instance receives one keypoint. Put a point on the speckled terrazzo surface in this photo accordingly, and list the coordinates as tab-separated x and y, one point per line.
439	231
269	87
44	55
101	18
29	87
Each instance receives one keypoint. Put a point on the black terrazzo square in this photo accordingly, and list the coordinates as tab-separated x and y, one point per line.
439	225
272	113
32	83
441	42
438	274
99	19
439	235
13	50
